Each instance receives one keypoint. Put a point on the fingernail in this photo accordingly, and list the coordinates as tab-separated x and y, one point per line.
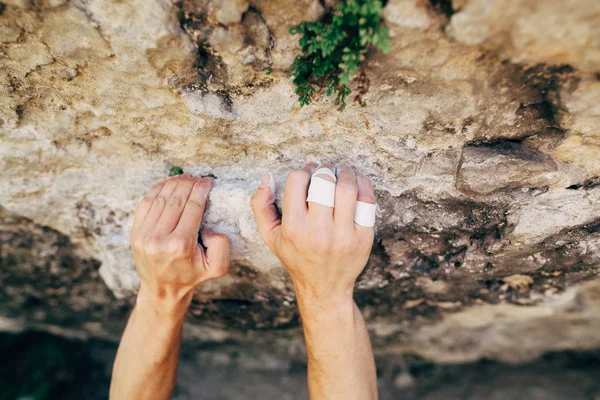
272	185
204	186
268	182
264	183
359	181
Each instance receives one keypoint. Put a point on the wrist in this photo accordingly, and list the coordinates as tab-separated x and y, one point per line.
332	305
170	307
323	295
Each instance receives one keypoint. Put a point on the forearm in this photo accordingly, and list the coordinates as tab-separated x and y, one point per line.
340	359
146	362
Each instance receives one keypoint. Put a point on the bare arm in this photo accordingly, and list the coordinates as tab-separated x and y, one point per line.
340	359
170	264
324	251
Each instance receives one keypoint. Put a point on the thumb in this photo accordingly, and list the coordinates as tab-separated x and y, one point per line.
217	256
264	211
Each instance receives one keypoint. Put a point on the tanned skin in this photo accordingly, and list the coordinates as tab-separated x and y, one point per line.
321	247
170	263
324	251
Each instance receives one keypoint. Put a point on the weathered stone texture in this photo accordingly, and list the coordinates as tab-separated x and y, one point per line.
481	132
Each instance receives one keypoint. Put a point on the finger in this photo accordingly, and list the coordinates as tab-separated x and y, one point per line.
144	207
294	195
217	258
346	193
191	217
366	194
264	211
175	205
159	204
318	213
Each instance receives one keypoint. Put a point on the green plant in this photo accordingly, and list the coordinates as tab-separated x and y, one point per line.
334	48
175	170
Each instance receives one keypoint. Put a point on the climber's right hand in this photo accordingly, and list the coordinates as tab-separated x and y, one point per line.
321	247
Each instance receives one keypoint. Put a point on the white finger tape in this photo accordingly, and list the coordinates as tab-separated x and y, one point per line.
321	191
325	171
364	214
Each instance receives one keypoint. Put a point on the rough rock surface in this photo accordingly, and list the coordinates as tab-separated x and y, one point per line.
481	132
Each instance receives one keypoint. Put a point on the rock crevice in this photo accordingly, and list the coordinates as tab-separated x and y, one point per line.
483	152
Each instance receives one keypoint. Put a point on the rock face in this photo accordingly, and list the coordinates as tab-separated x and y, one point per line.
481	132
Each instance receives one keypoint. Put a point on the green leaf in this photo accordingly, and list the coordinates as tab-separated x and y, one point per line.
175	170
333	51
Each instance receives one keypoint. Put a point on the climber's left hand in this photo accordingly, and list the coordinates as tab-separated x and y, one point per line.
164	239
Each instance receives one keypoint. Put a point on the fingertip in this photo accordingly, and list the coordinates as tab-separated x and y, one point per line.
206	233
264	194
211	237
310	168
218	249
328	177
347	171
366	192
267	184
203	185
208	180
327	165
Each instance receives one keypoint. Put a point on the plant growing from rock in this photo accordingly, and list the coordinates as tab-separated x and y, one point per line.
334	48
175	170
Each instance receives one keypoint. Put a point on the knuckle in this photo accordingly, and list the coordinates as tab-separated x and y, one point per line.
160	200
146	201
347	186
290	231
195	204
137	243
153	245
320	241
175	202
178	245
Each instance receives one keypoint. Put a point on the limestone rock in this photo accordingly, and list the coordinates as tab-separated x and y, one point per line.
533	31
280	17
231	11
484	165
485	170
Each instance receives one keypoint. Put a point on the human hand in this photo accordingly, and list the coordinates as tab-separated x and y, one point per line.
164	239
321	247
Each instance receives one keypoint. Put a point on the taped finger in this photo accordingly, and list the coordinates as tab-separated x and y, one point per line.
322	191
364	214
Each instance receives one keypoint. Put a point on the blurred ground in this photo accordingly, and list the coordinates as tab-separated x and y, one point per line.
36	366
